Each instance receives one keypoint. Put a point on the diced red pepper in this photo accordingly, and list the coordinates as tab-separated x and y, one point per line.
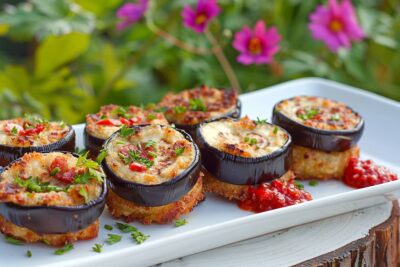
108	122
39	128
136	167
64	175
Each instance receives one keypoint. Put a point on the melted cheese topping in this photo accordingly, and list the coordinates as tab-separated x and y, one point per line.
167	149
194	106
320	113
244	137
14	133
37	165
132	116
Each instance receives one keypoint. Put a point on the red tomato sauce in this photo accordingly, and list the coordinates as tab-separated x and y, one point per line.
274	195
364	173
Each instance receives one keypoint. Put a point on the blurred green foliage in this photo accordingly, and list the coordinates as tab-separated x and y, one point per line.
64	58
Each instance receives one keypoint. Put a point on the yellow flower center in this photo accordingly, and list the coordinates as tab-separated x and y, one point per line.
255	46
336	26
200	18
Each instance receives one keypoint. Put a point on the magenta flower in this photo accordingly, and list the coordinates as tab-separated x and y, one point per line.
131	13
336	25
257	46
198	18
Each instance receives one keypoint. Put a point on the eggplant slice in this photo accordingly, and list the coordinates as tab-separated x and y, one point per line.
44	219
153	195
315	138
11	153
235	169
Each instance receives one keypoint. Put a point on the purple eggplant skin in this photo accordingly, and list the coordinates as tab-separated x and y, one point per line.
239	170
157	194
11	153
54	219
92	143
192	128
325	140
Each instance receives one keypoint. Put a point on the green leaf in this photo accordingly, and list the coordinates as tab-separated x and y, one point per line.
48	57
181	222
66	248
13	241
112	239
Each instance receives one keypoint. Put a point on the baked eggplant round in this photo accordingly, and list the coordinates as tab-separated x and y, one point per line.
244	152
319	123
54	197
187	109
110	118
32	133
152	168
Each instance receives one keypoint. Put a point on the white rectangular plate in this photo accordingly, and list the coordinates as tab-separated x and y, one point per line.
217	222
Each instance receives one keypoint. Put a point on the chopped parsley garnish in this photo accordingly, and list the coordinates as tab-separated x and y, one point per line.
149	143
29	253
14	131
161	109
246	139
335	117
13	241
34	185
298	185
276	129
108	227
179	151
103	117
138	236
181	222
121	111
152	154
309	114
35	119
113	238
151	117
313	183
80	151
135	156
196	104
84	193
92	170
261	121
253	141
55	171
62	124
126	131
125	228
97	248
101	156
179	109
66	248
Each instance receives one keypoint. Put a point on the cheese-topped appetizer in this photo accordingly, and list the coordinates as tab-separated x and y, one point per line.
325	135
240	153
53	197
154	173
33	133
111	118
189	108
319	113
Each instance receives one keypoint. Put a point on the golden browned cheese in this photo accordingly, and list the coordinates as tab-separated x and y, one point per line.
11	133
36	166
232	191
24	234
129	211
155	145
114	113
320	113
244	137
194	106
316	164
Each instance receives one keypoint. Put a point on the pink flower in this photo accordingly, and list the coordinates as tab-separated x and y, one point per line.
198	18
257	46
130	13
336	25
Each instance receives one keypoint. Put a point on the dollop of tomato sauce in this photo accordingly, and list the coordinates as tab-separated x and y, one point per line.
274	195
364	173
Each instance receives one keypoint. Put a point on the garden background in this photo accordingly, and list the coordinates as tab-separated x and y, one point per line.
63	59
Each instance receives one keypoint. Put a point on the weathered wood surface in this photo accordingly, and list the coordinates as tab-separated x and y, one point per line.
369	237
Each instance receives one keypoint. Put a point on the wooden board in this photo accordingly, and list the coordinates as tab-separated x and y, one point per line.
369	237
